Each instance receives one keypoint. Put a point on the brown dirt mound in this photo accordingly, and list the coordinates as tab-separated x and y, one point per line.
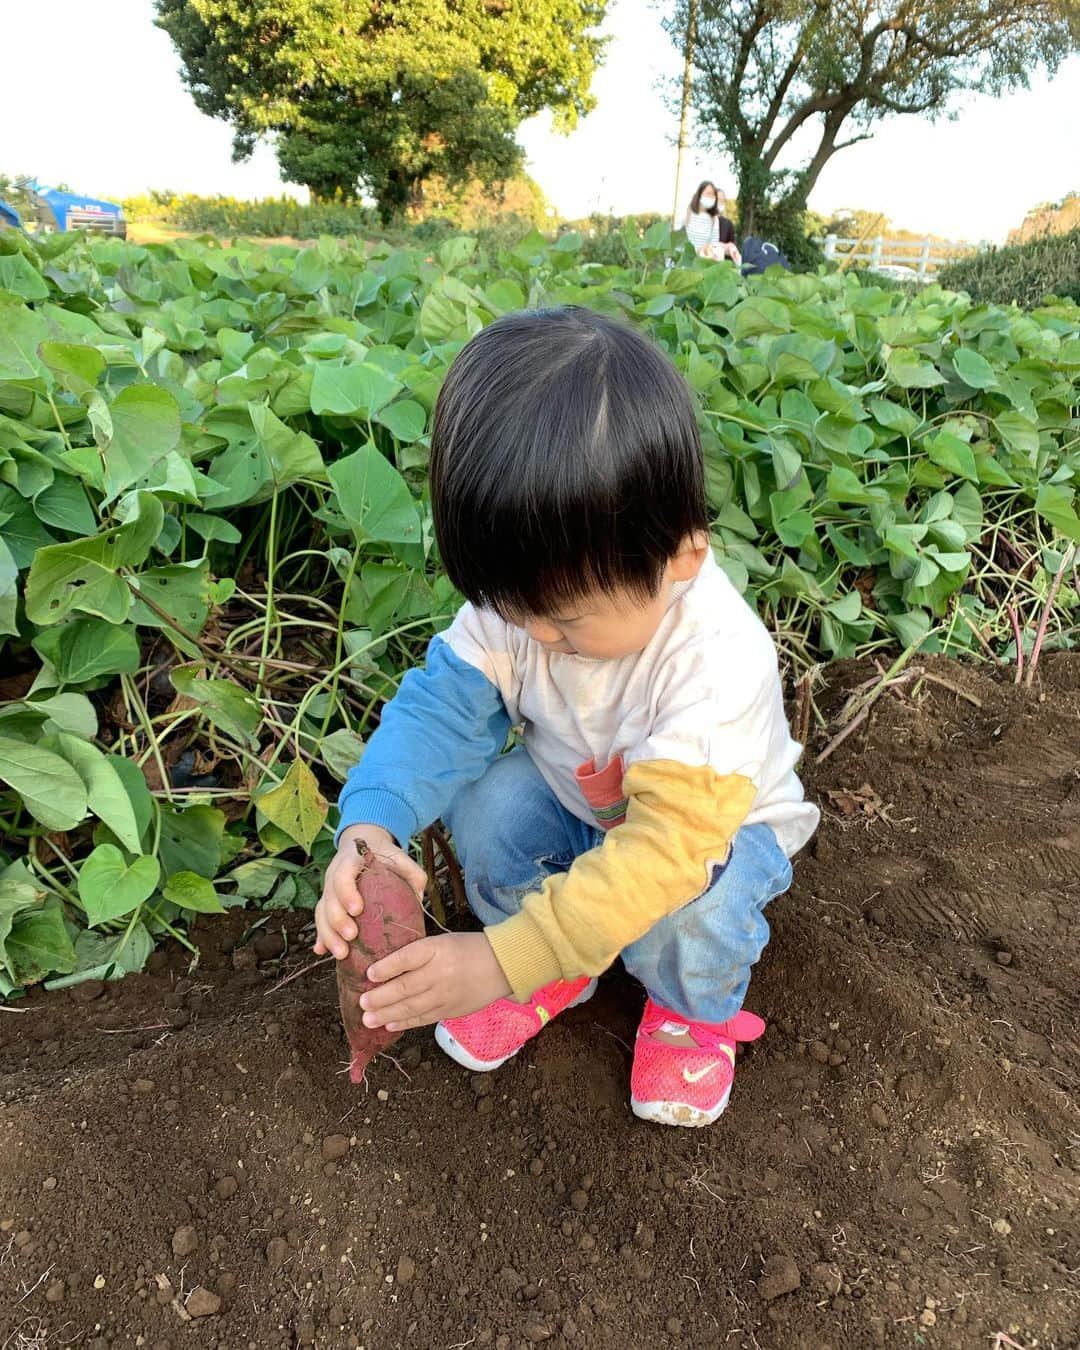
187	1164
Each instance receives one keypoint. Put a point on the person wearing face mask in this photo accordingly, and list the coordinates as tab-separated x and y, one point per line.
707	228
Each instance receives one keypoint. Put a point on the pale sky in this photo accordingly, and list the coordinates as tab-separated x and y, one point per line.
102	108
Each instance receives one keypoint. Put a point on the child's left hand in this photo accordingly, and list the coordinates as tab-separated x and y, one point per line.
436	978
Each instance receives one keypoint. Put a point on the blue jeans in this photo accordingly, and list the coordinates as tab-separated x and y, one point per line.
511	832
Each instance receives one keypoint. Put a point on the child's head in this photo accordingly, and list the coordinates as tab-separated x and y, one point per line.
567	479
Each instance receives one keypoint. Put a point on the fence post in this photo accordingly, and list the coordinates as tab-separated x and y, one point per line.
830	247
875	256
924	260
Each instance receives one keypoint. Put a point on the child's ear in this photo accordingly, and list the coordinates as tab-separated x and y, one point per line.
687	563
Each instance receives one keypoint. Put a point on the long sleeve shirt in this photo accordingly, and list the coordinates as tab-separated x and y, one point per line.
678	745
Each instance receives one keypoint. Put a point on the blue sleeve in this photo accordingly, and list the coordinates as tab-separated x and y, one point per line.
442	729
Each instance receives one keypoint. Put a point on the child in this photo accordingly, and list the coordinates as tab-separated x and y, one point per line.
651	811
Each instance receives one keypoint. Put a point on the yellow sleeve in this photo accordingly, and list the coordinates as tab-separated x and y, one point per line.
680	821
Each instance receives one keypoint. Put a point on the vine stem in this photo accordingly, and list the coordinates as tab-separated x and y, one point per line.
271	610
1055	586
118	949
148	732
1010	610
339	641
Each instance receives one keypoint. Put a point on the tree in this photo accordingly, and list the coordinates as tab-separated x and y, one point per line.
767	70
383	95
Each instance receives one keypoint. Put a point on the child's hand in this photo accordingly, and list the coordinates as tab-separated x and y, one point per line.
341	895
428	981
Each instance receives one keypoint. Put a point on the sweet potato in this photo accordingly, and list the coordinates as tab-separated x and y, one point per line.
392	916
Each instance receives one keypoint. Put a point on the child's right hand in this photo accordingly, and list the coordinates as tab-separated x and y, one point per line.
341	899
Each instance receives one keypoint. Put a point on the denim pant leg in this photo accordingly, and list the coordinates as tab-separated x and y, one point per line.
696	961
511	832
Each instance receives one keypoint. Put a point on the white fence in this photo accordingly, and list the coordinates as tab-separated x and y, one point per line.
915	259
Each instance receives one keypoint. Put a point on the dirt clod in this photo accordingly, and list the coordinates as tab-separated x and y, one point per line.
277	1249
335	1146
406	1269
202	1303
185	1241
780	1276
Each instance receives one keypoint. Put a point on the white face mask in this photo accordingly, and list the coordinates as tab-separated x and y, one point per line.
707	203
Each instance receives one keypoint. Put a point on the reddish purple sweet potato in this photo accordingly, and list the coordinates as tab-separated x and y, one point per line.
392	916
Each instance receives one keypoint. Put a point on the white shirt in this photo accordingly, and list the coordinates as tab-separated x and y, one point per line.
705	691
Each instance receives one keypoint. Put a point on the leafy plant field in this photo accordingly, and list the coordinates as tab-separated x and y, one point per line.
1045	264
217	554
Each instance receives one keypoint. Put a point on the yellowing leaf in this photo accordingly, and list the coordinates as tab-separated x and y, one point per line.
296	805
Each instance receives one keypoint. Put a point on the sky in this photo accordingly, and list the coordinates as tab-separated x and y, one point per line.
105	110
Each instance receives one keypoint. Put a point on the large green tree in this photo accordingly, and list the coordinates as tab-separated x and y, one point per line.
382	95
770	75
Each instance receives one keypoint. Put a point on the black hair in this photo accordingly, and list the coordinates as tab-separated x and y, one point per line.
695	201
565	457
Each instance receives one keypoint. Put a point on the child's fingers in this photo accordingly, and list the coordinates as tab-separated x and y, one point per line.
333	937
346	890
410	957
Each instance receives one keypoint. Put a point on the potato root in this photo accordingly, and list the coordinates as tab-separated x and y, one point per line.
392	917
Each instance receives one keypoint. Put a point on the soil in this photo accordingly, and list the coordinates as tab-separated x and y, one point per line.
186	1163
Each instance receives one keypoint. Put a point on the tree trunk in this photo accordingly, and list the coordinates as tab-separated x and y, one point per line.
688	72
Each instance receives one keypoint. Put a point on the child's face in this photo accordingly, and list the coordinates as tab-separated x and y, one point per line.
607	625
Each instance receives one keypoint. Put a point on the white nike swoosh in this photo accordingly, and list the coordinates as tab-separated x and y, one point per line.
696	1075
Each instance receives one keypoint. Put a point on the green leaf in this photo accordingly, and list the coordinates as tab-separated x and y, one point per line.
296	805
229	706
145	427
760	315
351	391
69	712
405	420
290	455
50	788
106	794
374	498
18	278
848	608
191	839
456	252
77	367
9	589
189	890
894	416
39	944
63	504
181	590
341	751
21	333
16	896
84	649
908	369
257	878
975	370
212	528
110	887
952	454
1055	505
83	575
1018	433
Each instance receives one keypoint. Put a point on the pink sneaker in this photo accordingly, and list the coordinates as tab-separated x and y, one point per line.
485	1039
673	1085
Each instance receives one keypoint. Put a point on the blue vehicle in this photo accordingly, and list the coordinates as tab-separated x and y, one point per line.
63	211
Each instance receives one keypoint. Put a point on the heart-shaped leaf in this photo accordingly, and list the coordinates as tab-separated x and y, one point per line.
111	887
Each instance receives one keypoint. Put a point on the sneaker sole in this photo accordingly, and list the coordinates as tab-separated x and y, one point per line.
678	1113
457	1052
